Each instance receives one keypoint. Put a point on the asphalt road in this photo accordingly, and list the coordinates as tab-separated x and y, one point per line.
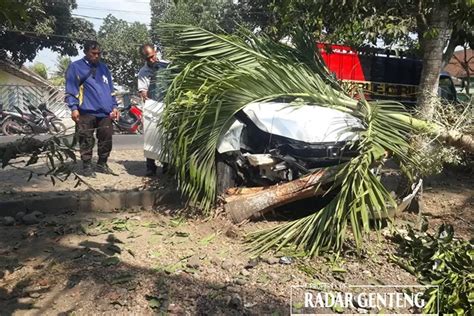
120	141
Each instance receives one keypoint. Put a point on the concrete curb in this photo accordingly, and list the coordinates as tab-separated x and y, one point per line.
85	202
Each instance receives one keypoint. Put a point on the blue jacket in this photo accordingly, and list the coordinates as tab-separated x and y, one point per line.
89	88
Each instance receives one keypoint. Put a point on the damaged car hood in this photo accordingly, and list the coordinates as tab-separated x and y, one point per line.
311	124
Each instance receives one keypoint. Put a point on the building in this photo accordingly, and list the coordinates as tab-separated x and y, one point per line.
461	68
21	87
11	74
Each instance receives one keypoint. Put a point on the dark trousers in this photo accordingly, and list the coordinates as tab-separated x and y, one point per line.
104	130
150	165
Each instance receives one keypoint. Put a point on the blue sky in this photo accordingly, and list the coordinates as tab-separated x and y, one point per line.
128	10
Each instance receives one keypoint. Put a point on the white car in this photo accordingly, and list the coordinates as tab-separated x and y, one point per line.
270	142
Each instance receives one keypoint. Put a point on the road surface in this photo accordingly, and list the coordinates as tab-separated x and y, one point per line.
120	141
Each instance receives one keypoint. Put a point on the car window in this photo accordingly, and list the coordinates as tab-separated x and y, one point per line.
446	89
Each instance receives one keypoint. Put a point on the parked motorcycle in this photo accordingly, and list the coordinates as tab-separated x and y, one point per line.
130	120
37	120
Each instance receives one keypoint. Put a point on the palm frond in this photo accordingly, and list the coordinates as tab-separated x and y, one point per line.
360	196
203	99
244	49
191	43
220	76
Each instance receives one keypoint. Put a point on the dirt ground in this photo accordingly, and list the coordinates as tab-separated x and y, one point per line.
146	263
128	165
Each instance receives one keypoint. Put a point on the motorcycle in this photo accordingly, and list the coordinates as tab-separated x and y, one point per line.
37	120
130	120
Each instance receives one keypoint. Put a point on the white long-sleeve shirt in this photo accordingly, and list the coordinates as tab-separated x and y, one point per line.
152	111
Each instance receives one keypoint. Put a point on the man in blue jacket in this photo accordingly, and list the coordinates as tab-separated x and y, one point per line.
90	96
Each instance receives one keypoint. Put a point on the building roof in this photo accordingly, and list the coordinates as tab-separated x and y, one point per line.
456	67
24	73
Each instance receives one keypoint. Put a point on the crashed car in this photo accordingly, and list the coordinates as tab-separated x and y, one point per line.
276	142
272	142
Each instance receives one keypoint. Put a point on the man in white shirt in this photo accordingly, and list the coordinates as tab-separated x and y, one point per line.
147	92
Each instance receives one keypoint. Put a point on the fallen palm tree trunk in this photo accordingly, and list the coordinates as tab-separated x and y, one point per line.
450	137
250	202
458	140
237	192
245	206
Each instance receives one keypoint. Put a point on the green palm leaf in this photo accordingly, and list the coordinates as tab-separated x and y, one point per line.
220	75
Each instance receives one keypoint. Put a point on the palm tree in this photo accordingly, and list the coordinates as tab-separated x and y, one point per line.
62	63
218	75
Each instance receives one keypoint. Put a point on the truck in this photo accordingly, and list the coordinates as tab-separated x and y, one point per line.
380	74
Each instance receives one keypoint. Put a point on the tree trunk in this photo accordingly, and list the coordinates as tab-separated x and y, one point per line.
458	140
432	42
454	40
467	67
261	200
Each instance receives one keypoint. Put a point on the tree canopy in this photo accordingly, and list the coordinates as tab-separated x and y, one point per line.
221	75
212	15
430	29
30	26
358	22
120	42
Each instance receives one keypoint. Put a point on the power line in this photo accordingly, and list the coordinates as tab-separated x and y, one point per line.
44	36
113	10
102	9
99	18
89	17
82	7
41	35
143	13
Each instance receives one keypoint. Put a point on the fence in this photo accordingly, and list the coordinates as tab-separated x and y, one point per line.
23	96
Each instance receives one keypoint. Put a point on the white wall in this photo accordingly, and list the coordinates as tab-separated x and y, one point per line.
8	78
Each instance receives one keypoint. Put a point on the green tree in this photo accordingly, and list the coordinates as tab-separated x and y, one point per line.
31	25
40	69
120	42
62	62
213	15
13	14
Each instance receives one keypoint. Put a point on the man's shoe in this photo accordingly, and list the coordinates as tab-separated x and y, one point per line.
87	170
104	168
